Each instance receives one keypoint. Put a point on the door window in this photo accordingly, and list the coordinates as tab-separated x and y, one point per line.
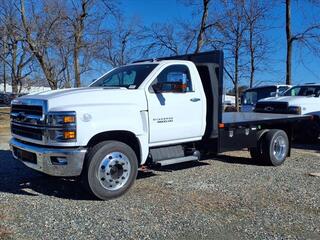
175	78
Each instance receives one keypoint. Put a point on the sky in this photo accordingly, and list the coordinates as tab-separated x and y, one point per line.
306	66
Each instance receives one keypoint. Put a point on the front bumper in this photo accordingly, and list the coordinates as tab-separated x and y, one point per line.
63	162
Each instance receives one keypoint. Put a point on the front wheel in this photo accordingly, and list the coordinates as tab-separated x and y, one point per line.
110	170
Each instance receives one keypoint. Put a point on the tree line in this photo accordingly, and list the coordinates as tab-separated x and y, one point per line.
56	42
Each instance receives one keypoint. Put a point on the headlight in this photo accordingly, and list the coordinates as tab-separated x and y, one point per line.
295	110
62	126
61	118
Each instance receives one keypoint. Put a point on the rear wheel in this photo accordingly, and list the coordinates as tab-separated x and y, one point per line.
111	169
309	132
255	153
275	147
313	131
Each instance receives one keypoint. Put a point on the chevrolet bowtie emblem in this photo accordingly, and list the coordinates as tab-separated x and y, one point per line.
268	109
21	117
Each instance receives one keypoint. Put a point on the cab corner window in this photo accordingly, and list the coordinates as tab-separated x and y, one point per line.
175	79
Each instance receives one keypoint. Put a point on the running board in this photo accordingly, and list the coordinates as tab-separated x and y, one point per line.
177	160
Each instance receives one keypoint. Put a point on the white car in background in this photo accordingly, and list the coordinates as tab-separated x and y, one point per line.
302	100
252	95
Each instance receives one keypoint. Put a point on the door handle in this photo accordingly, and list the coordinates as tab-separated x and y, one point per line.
195	99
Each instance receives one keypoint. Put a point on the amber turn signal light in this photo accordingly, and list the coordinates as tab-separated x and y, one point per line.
69	135
69	119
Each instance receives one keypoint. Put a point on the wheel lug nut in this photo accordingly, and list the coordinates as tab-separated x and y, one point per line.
117	182
123	178
110	180
102	179
110	157
108	173
103	167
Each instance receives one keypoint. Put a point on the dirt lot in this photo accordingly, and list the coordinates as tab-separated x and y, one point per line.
4	126
225	197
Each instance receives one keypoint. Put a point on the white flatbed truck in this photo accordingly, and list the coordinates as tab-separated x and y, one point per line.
161	112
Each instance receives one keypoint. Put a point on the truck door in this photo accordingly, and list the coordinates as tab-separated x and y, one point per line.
176	109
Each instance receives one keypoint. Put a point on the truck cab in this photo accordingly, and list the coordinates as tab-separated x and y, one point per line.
300	100
151	112
252	95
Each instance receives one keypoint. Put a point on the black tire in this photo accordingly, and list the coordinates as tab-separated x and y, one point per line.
92	169
257	152
309	132
275	147
313	132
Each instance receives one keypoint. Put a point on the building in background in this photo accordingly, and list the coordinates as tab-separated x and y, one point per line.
25	90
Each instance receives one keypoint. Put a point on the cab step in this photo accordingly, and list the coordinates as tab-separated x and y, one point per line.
177	160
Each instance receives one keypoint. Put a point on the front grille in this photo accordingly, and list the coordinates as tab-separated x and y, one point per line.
271	107
27	119
27	110
25	155
27	131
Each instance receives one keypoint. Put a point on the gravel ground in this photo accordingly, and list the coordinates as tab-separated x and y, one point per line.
228	197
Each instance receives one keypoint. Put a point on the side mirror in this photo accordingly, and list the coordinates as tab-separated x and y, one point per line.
157	87
180	87
176	87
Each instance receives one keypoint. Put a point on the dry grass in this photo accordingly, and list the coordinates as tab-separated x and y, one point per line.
4	232
4	128
4	117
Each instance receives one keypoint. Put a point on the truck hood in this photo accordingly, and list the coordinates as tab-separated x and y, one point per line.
291	100
89	96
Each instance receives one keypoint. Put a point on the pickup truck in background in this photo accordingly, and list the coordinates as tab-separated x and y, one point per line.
251	96
299	100
151	112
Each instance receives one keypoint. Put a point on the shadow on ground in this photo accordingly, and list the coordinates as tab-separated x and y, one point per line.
313	147
181	166
16	178
237	160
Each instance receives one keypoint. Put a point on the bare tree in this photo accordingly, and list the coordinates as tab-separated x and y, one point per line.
15	56
78	25
37	35
289	43
86	23
203	25
3	47
257	44
161	39
232	28
309	36
119	43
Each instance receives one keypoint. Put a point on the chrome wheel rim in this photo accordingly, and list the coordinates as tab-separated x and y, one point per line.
114	171
279	148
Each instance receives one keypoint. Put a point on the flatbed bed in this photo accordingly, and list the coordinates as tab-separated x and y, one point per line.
236	118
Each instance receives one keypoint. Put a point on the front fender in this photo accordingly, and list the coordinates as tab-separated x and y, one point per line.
113	118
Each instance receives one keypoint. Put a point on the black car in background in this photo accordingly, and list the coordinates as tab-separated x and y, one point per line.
6	98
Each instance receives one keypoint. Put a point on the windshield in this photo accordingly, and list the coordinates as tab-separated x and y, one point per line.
254	95
127	76
303	91
282	89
